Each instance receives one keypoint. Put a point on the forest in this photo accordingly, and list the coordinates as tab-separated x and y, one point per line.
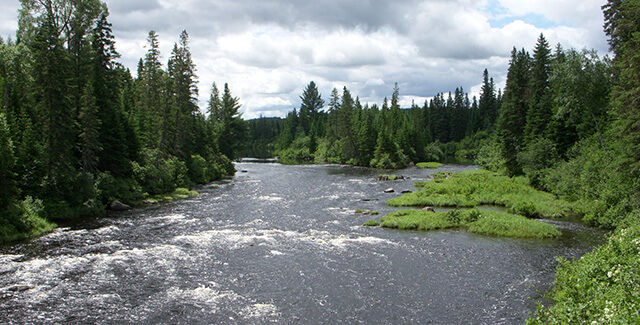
78	131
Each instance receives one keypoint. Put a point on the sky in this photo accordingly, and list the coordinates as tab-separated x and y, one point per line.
269	50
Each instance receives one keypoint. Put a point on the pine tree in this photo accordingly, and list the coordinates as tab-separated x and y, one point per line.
622	25
89	126
310	107
488	110
7	162
232	128
539	112
514	110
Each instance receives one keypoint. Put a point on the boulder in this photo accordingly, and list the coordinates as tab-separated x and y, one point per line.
149	202
389	190
430	209
363	211
119	206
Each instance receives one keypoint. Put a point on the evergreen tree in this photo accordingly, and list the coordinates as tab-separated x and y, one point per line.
89	126
231	126
514	110
487	107
539	112
7	162
184	96
310	107
622	25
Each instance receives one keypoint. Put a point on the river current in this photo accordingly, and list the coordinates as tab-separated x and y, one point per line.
279	244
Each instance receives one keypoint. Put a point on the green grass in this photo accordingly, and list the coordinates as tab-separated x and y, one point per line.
178	194
484	222
371	223
429	165
482	187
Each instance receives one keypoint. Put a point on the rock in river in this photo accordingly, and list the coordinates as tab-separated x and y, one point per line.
119	206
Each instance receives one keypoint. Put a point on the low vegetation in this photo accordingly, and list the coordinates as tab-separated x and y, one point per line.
371	223
602	287
484	222
482	187
178	194
429	165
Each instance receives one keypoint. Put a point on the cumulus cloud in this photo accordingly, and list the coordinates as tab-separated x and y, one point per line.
268	50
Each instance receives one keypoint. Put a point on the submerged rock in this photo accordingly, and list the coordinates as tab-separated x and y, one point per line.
119	206
406	191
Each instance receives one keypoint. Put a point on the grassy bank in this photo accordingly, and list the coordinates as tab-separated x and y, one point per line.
482	187
429	165
490	223
178	194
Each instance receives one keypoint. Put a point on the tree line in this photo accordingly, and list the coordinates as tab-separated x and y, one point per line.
559	114
383	136
78	131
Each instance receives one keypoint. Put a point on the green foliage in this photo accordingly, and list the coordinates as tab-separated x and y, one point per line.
490	156
23	220
490	223
602	287
111	188
598	181
371	223
478	187
431	165
537	158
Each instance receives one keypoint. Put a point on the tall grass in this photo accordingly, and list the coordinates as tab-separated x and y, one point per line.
429	165
482	187
490	223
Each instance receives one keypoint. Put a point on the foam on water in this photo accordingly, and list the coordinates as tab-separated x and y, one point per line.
234	238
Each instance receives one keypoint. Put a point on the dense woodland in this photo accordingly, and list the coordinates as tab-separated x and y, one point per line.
78	131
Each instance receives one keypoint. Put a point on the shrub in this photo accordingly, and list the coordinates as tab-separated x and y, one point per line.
602	287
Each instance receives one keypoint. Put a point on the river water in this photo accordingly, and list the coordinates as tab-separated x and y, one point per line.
279	244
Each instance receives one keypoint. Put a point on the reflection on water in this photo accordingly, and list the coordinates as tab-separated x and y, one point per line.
278	244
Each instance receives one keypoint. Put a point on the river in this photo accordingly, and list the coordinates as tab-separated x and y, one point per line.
279	244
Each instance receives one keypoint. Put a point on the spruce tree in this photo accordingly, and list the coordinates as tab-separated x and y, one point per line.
514	110
539	112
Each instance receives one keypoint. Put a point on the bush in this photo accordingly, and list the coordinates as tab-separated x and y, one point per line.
490	156
536	160
122	189
602	287
23	219
198	170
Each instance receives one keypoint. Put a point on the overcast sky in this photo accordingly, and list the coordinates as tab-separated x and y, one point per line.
269	50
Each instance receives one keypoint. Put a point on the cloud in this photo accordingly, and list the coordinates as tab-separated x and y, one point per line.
269	50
